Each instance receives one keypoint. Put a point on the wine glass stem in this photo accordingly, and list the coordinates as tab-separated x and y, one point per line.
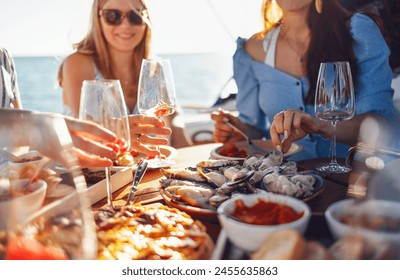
157	146
333	143
109	190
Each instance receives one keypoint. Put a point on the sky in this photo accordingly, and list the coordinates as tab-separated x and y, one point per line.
50	27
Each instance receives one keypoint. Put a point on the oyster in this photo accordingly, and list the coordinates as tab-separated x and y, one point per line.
217	163
183	174
297	186
192	193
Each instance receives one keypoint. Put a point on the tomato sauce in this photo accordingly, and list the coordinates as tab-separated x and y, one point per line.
232	151
265	213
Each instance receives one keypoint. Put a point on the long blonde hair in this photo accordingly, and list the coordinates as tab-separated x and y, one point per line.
95	44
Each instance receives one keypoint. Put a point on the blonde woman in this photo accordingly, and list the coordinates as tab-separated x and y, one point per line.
117	41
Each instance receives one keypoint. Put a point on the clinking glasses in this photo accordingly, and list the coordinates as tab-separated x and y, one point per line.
115	17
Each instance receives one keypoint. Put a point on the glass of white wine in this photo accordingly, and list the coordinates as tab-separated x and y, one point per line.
334	102
102	101
156	95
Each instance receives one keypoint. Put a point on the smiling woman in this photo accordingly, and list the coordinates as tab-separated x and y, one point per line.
197	36
118	40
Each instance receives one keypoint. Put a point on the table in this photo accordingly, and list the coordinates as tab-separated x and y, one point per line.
336	188
148	188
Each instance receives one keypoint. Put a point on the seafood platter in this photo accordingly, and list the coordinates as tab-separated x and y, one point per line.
200	189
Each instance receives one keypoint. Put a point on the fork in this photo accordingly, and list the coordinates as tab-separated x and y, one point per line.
248	140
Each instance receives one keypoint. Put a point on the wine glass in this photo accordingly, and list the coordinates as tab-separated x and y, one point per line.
334	101
102	101
60	229
156	94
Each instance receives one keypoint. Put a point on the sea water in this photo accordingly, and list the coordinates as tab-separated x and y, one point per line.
199	80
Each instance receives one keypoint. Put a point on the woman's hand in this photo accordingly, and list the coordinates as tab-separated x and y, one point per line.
141	127
292	125
87	137
224	133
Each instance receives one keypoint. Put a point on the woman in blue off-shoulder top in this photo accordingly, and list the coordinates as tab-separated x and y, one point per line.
276	72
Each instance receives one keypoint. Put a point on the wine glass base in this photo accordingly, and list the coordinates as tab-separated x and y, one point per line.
333	168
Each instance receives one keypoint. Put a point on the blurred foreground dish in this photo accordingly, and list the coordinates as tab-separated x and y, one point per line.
151	232
289	244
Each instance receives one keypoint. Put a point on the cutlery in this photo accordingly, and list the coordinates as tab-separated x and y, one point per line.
248	140
140	170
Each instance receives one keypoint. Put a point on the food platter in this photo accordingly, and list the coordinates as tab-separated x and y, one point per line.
264	144
210	214
167	151
172	235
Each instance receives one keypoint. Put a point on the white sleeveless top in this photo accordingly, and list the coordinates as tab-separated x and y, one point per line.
269	45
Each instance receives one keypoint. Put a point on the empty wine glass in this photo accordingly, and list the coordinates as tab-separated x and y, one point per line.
102	101
156	95
334	101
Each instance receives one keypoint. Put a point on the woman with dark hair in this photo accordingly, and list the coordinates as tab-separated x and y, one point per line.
276	72
119	38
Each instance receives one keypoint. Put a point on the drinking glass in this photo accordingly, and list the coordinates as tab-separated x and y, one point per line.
156	94
59	229
334	101
102	101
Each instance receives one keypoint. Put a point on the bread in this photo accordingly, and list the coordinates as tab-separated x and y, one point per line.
350	247
290	245
282	245
316	251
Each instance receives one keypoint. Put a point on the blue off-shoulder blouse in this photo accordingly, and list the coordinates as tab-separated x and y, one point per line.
263	91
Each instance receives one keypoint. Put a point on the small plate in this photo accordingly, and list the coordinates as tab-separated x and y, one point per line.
319	185
263	144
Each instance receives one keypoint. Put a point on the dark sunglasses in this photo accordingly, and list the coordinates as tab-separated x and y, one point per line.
115	17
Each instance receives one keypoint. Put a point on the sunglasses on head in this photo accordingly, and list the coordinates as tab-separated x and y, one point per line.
115	17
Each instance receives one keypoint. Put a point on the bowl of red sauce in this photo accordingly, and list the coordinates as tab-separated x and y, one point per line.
249	219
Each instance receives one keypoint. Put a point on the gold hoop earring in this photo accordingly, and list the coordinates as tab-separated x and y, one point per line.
318	6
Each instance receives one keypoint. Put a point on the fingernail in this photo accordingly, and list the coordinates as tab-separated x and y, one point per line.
286	134
225	119
279	148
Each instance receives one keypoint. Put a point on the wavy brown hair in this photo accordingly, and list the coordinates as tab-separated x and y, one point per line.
95	44
330	38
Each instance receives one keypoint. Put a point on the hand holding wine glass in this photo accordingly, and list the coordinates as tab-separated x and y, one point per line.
334	101
156	94
102	101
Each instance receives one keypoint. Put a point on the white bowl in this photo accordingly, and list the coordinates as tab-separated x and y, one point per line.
31	156
263	144
374	208
17	210
250	237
